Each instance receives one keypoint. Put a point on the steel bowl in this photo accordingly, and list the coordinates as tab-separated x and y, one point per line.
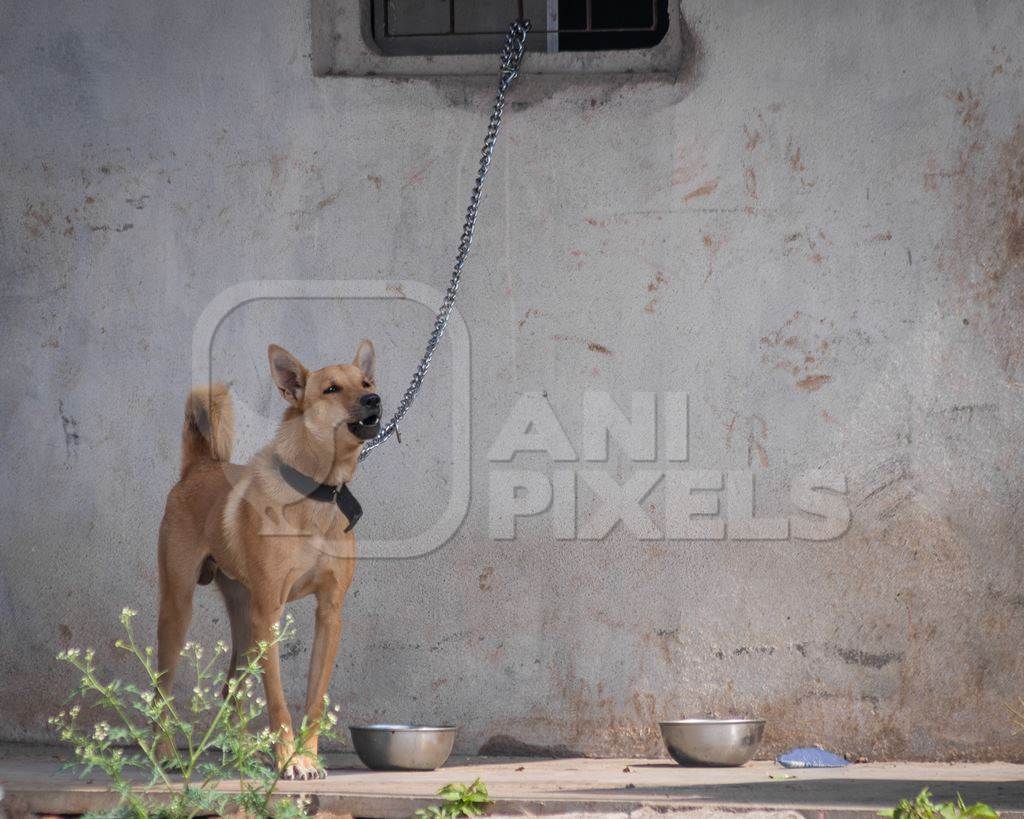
403	747
723	742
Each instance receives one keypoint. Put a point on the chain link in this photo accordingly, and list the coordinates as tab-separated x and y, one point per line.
511	57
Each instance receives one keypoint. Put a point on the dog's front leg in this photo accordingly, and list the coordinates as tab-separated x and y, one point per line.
321	664
264	618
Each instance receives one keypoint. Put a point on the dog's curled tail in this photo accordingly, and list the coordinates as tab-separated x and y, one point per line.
209	430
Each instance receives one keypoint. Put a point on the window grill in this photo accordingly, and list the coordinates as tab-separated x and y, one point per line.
435	27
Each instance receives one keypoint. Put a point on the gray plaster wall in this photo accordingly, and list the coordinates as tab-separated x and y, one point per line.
816	231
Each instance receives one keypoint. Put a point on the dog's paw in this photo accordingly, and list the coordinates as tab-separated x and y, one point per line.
303	768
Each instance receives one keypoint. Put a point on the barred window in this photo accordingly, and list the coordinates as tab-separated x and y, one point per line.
432	27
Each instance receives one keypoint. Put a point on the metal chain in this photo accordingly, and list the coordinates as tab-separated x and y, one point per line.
511	57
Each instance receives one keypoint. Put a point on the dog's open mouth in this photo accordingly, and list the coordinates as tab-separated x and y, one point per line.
366	428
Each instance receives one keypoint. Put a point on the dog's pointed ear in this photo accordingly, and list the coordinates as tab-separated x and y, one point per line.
366	359
288	373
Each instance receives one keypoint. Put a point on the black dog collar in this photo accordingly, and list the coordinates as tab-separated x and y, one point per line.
306	486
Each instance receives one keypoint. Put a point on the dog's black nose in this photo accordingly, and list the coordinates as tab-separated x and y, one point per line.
370	400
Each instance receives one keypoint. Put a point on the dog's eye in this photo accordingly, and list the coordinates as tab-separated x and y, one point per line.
332	388
367	385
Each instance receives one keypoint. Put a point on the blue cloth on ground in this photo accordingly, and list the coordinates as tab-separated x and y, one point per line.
810	758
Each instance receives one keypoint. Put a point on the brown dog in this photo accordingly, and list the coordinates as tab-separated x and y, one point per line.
263	540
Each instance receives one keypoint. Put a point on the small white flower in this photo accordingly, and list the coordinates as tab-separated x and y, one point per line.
127	613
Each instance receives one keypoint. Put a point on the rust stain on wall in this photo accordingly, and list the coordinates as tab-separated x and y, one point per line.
750	182
704	190
799	347
755	432
277	163
712	245
653	286
983	248
37	219
812	383
484	581
753	135
593	346
688	168
533	311
327	200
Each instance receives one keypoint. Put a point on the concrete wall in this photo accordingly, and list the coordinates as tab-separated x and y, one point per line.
817	232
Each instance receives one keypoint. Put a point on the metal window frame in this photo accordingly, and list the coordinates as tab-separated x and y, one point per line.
453	42
343	44
380	12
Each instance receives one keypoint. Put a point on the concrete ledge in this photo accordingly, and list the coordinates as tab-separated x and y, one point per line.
34	783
